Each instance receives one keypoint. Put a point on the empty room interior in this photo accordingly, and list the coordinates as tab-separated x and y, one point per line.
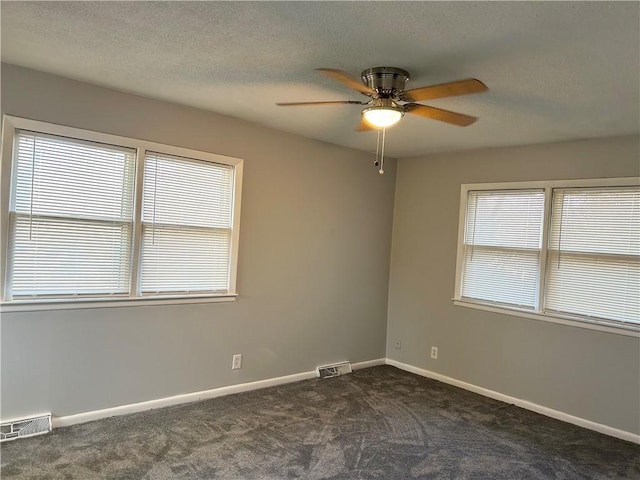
323	240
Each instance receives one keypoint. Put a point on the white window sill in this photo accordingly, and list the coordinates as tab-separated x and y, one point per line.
66	304
618	329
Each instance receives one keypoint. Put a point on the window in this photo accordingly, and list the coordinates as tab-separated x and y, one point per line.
186	225
552	250
70	218
503	239
593	265
96	217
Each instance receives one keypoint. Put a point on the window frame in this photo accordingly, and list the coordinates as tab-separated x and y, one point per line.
538	312
10	124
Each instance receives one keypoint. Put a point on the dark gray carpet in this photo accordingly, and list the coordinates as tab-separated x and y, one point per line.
377	423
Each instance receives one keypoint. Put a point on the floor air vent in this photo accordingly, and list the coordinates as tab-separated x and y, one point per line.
26	427
333	370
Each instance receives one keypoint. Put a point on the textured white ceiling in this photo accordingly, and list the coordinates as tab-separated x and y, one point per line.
556	71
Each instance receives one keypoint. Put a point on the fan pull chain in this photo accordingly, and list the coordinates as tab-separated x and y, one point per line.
384	134
377	161
380	151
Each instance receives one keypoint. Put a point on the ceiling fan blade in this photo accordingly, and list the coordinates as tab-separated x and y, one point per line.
450	89
363	126
438	114
346	79
337	102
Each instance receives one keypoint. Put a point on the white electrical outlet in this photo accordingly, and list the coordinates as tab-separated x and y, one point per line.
398	345
237	361
434	353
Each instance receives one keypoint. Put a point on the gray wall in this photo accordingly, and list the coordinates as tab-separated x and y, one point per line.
315	241
314	252
590	374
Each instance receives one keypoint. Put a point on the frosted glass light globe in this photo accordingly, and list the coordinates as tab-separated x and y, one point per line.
382	117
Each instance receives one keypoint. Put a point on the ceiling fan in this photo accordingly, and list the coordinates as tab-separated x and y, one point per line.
390	101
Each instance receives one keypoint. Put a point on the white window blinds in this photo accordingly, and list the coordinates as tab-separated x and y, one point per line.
186	226
593	266
70	217
502	243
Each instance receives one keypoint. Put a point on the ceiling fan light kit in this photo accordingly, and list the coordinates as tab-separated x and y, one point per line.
382	117
385	86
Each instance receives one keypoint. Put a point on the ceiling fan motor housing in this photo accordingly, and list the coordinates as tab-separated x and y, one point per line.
386	81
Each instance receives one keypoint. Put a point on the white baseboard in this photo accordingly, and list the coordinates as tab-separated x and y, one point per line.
65	421
534	407
369	363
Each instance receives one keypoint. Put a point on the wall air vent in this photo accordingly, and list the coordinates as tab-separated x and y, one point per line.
27	427
333	370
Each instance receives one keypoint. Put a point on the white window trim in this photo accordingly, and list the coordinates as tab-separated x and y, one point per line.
538	313
10	124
